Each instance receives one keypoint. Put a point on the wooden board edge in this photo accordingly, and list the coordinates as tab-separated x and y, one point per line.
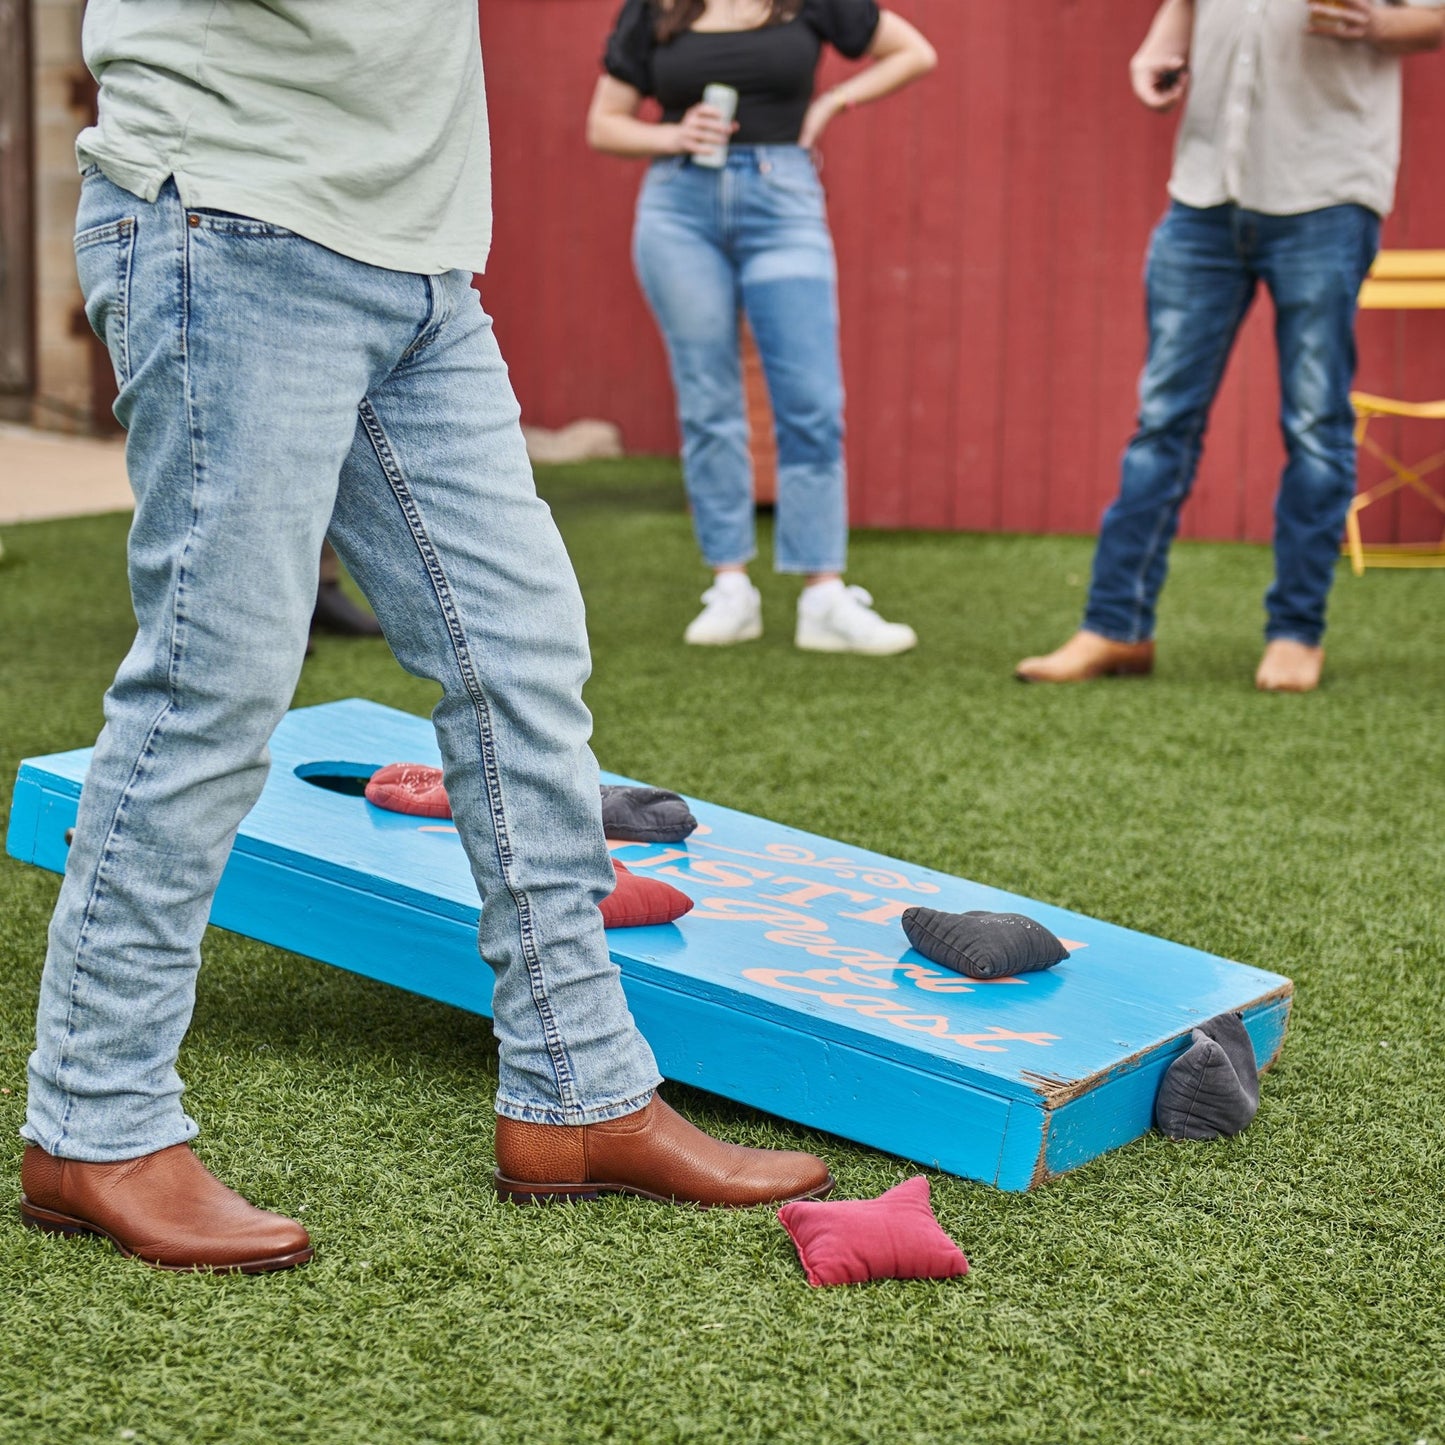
1121	1109
1054	1092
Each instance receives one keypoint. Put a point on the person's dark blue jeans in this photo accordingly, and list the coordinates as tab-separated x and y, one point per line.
1202	272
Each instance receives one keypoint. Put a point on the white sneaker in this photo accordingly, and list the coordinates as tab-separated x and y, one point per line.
732	612
842	619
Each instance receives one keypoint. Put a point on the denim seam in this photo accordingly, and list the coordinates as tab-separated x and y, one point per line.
429	329
556	1052
193	435
1181	479
125	266
726	189
78	969
220	224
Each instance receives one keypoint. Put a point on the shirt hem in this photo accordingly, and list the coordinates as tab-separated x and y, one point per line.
1202	200
146	183
142	181
294	217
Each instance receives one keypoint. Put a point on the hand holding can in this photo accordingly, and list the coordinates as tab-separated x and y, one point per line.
724	100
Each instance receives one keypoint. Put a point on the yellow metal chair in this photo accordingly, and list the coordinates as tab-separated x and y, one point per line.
1398	281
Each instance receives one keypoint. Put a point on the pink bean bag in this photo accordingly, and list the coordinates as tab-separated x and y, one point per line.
850	1241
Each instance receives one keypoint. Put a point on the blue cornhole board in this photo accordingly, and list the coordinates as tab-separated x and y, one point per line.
789	987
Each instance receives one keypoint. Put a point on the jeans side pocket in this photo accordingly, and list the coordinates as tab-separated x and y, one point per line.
792	171
788	189
658	181
103	258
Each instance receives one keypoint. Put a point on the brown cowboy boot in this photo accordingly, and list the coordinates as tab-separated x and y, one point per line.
165	1208
1086	656
654	1154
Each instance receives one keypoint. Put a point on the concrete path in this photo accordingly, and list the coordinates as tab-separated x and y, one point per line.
48	474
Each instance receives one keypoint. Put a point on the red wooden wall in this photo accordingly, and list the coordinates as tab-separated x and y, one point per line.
991	225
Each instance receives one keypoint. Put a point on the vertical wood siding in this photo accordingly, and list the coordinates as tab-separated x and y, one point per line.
991	225
17	261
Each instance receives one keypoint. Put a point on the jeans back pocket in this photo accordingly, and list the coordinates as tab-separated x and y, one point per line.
103	261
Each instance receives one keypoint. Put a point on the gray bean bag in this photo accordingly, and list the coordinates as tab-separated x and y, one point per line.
982	945
644	815
1212	1088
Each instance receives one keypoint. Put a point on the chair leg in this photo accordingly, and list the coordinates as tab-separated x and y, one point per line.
1355	544
1391	554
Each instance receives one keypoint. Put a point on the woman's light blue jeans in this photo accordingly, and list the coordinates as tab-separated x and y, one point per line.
1203	268
270	387
750	237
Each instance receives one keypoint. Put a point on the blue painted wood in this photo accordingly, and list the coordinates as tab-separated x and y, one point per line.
789	987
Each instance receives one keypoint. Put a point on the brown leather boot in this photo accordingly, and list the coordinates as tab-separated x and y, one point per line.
165	1208
655	1154
1086	656
1289	666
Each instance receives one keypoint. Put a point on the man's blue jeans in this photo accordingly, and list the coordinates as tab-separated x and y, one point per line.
270	387
751	237
1202	272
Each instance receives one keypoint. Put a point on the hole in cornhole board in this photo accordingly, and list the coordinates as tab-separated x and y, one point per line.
347	778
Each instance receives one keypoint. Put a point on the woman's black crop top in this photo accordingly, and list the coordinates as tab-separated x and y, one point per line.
771	68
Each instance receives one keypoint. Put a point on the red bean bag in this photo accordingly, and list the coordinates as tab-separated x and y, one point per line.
636	902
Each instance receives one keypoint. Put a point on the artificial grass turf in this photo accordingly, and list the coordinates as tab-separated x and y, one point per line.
1285	1285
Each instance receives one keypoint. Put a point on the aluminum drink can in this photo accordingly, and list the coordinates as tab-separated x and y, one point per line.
722	98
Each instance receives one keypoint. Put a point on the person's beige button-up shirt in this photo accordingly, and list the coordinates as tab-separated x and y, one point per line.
1283	122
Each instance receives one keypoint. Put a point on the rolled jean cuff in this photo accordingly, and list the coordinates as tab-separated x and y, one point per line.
1293	634
65	1145
809	569
742	561
1126	637
597	1114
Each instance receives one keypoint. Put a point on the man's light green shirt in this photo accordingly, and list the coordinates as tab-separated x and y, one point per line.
357	124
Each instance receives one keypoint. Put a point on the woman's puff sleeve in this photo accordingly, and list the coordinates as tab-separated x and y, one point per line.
847	25
628	56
